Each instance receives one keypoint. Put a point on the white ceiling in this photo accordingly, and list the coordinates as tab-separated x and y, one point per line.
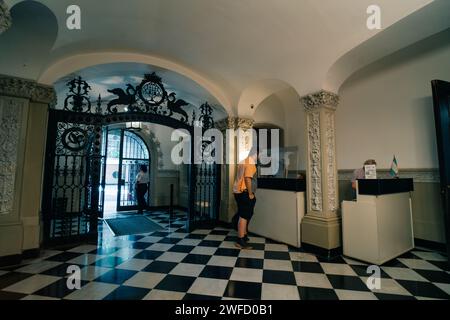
230	44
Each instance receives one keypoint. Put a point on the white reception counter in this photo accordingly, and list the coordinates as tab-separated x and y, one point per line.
280	207
378	226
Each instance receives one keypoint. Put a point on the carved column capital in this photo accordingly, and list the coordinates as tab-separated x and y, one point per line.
225	123
244	123
320	99
234	123
5	17
23	88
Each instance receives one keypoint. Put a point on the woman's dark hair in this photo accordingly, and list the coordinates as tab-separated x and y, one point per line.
143	167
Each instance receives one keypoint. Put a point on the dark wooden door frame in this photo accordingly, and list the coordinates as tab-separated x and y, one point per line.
441	100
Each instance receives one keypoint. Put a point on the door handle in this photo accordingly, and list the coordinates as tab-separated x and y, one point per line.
121	182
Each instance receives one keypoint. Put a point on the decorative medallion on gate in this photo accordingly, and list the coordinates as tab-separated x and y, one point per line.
74	139
151	90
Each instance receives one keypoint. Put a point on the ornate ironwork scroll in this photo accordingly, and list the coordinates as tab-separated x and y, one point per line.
150	96
206	116
78	97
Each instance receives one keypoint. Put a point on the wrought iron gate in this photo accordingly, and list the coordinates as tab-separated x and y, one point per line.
206	194
72	178
73	188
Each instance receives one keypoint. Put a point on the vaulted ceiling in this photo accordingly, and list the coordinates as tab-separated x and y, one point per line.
225	46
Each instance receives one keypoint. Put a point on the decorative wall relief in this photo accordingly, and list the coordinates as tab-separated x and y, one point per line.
5	17
10	125
22	88
315	166
331	155
322	172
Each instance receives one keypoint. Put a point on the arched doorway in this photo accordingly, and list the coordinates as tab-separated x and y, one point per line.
125	152
73	197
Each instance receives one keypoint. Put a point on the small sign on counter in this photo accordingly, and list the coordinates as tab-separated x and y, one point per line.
370	171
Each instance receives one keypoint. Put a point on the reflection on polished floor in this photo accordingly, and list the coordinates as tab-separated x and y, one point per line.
205	264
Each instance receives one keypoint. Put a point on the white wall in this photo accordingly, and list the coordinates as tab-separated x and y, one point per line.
387	108
295	130
284	109
162	176
163	135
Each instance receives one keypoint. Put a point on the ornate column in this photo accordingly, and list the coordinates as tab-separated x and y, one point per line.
227	203
321	225
23	121
5	17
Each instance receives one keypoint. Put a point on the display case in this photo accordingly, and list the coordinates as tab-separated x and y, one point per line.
286	166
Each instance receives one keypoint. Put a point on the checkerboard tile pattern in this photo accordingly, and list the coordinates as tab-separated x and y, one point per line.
174	264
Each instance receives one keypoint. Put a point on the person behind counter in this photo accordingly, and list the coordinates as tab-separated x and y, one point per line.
360	174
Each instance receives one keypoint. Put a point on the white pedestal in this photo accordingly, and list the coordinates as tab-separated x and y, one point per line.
278	215
379	228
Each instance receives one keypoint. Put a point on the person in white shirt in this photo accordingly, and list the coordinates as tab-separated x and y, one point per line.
142	181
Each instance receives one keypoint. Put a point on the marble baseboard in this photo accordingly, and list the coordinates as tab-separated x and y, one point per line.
419	175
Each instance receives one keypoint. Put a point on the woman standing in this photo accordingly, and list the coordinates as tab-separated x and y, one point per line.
244	189
142	181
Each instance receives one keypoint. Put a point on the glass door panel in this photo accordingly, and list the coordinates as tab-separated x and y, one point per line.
133	154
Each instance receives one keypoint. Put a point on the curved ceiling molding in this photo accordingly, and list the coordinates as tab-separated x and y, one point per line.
77	62
255	94
20	46
432	19
222	45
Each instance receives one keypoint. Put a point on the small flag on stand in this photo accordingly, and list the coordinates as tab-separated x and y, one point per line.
394	168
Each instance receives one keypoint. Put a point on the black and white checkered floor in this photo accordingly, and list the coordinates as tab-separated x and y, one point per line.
205	264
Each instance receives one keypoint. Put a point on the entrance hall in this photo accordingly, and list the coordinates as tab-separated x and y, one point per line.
225	150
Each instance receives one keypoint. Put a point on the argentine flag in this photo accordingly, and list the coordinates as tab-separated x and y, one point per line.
394	168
